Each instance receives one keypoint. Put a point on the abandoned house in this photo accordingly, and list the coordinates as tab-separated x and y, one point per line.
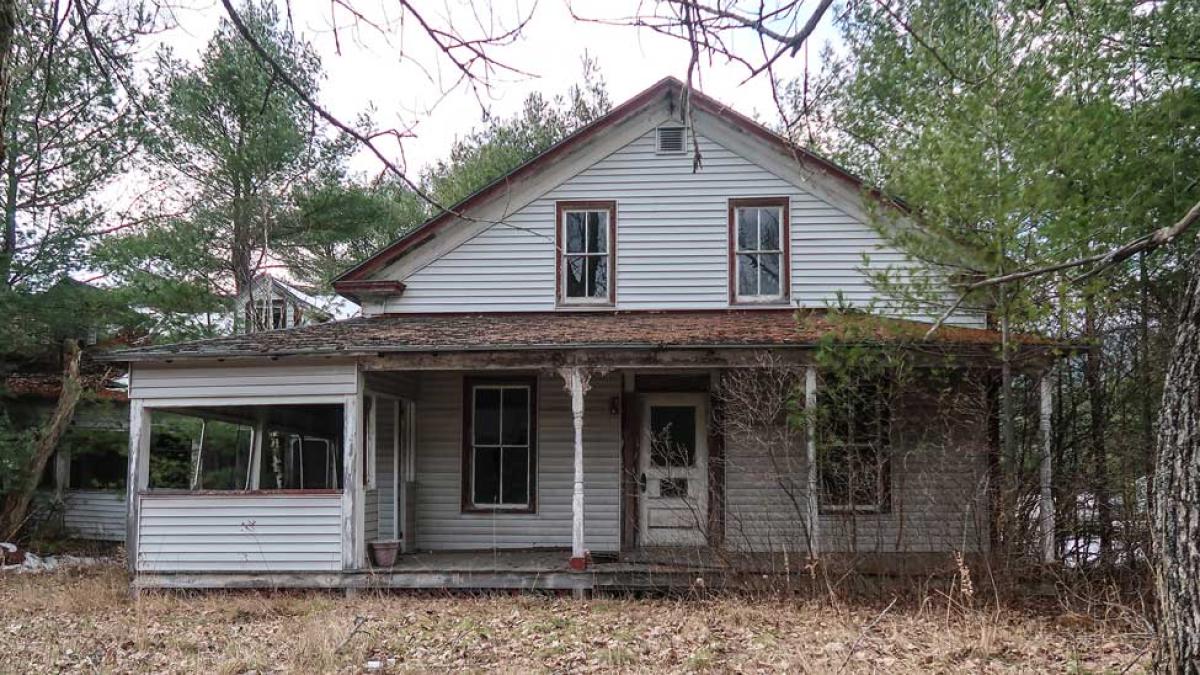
588	374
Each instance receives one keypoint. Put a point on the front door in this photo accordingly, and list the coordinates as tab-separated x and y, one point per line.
674	469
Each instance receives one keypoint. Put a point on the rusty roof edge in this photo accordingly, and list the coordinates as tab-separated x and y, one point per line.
147	356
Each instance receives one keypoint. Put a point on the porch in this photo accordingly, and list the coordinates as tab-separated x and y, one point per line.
551	467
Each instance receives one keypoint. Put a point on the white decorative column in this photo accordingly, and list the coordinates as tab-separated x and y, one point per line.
1046	501
138	476
577	381
353	547
814	508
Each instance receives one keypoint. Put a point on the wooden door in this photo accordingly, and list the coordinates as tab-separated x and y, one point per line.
674	470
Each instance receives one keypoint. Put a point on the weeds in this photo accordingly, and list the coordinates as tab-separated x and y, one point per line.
87	621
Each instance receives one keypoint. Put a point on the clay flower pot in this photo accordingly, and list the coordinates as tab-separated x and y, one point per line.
383	553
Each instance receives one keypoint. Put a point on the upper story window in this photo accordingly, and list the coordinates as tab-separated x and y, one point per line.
586	244
758	250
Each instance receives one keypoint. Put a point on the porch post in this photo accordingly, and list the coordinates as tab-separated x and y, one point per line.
814	508
1046	502
577	381
352	515
254	471
62	472
137	477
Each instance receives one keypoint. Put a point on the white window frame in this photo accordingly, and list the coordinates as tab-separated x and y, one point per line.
529	484
609	255
782	251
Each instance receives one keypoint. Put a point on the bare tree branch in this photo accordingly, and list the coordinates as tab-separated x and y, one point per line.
1103	261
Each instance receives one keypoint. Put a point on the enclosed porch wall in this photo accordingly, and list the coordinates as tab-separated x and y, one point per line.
246	469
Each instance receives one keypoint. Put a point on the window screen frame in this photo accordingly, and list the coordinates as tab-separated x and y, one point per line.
561	210
470	384
785	255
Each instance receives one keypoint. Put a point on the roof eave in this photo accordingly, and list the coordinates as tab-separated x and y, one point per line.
966	347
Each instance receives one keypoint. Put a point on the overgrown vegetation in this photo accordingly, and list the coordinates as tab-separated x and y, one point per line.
72	621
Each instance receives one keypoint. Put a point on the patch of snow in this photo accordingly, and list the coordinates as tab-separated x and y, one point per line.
36	563
335	305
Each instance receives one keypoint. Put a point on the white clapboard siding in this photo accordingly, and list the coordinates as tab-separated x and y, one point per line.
766	493
94	514
938	502
672	241
385	461
239	533
159	381
442	525
380	510
371	514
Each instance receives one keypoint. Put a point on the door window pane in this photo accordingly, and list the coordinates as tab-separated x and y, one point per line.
673	435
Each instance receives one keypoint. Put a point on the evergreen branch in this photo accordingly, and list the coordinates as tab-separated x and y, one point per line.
1103	261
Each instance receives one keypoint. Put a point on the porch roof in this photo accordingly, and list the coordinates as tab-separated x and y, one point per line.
751	328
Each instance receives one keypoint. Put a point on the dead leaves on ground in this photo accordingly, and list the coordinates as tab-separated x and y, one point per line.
87	622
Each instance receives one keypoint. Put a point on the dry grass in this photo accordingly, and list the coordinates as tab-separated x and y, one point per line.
86	621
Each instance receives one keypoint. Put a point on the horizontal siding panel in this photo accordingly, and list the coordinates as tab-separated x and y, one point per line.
938	502
156	382
261	533
441	525
661	204
94	514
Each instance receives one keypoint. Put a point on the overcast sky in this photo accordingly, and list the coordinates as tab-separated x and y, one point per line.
369	72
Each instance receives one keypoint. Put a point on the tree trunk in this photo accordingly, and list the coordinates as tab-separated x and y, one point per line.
1176	510
8	27
16	503
1097	484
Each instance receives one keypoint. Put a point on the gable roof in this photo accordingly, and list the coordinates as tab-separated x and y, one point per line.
358	278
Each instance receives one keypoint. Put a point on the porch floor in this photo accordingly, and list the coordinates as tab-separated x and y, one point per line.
553	560
480	570
651	569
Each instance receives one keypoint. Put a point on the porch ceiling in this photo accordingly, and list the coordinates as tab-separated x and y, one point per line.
682	330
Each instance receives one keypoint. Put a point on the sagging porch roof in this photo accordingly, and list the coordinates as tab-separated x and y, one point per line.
448	333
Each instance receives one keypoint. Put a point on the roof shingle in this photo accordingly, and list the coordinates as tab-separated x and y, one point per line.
569	330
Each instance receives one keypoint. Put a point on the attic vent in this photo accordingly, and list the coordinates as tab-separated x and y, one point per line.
671	139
